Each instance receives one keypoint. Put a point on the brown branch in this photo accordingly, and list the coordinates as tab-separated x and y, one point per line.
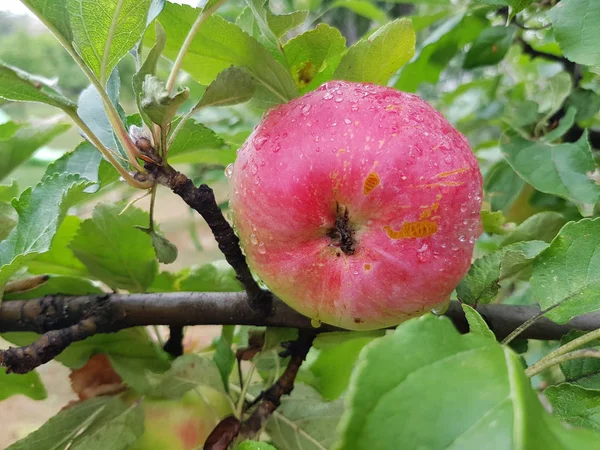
120	311
174	346
271	398
202	200
53	342
230	428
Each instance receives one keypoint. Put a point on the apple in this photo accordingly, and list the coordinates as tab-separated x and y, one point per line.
182	424
358	205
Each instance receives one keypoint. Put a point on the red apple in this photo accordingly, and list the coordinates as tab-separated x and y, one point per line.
358	205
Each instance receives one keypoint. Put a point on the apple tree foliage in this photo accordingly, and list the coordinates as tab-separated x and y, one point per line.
519	78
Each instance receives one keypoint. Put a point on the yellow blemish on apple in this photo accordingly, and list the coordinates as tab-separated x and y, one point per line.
428	211
371	182
451	172
421	228
440	184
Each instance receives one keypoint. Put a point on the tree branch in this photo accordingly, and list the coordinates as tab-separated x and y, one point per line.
202	200
271	398
120	311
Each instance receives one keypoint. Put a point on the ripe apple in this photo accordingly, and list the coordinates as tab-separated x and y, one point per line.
358	205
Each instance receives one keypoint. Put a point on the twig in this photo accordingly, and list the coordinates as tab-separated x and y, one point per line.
202	199
174	346
52	343
271	399
546	363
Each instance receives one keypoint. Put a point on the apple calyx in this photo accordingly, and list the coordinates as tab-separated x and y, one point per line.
342	234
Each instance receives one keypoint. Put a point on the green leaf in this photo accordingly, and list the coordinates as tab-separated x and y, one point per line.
480	285
584	372
54	15
219	44
490	47
90	109
541	227
518	5
149	68
335	360
362	8
304	421
104	31
438	49
493	222
28	384
87	162
8	219
554	169
575	25
477	325
255	445
575	405
9	191
18	148
586	102
95	424
60	259
217	276
519	114
157	104
224	358
256	24
186	373
166	251
232	86
502	186
194	138
114	251
376	58
41	210
58	284
564	125
19	86
566	275
314	55
469	381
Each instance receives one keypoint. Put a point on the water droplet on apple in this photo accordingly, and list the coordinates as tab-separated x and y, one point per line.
328	96
462	238
229	170
316	323
354	108
339	99
259	142
253	239
276	148
441	308
442	245
472	240
347	121
454	248
318	149
261	248
305	109
334	124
